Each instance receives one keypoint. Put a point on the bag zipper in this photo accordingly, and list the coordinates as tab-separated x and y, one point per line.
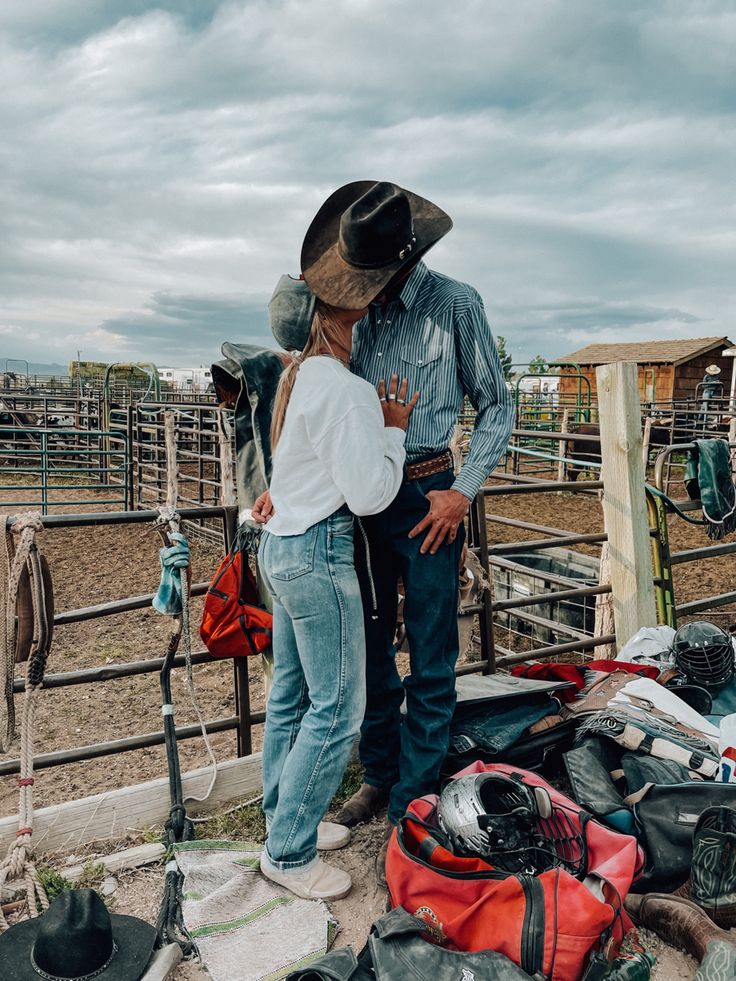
532	931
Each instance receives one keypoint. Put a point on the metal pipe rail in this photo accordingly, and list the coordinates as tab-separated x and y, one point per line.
242	721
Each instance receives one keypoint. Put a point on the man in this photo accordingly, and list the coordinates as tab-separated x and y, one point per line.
434	331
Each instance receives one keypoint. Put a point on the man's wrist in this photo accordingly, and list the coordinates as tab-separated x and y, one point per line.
468	482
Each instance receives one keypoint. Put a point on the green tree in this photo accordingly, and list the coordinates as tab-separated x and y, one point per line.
537	366
504	357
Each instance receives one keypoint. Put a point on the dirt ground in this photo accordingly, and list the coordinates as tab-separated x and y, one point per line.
91	566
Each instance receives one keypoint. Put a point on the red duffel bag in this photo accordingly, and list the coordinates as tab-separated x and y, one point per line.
547	923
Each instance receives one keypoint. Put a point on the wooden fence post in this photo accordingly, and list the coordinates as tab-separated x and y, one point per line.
646	440
564	428
624	501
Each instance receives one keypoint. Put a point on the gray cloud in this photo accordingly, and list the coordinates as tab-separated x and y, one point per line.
161	161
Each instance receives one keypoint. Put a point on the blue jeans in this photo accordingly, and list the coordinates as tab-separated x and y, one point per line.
317	697
406	756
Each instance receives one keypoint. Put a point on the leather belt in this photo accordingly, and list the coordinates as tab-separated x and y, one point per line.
427	468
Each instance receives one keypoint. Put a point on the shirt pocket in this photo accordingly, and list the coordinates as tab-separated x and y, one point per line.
427	356
291	556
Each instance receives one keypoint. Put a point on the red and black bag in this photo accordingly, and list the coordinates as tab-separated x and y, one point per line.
548	923
233	623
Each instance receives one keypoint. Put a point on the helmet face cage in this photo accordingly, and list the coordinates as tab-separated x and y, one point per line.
704	653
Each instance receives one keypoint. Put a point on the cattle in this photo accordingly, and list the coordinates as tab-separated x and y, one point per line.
586	451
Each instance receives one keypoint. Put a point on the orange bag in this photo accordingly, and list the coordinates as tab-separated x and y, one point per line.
547	923
233	624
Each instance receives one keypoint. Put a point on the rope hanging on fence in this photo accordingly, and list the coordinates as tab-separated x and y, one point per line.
18	863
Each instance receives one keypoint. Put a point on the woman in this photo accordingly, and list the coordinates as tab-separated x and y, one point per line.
336	453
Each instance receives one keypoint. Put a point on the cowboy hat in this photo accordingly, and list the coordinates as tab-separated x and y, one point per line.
363	234
77	939
712	369
290	312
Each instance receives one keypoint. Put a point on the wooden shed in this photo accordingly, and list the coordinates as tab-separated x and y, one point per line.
668	370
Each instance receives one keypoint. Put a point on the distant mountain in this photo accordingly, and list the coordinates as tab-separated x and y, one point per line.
34	367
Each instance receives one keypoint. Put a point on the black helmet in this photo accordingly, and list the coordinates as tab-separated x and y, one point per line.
704	653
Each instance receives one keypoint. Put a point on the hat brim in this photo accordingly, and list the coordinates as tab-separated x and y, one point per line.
135	941
340	284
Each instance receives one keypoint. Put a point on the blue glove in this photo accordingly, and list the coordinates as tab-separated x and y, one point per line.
173	559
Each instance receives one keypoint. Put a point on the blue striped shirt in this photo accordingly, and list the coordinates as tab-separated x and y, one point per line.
435	333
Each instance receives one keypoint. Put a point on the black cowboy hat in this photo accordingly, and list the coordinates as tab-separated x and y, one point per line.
362	236
77	939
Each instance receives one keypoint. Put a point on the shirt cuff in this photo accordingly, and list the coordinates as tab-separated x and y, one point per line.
469	481
395	434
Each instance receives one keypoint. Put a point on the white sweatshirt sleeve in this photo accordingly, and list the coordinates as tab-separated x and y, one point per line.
364	458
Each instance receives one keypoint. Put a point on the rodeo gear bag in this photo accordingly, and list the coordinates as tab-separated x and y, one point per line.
233	624
547	923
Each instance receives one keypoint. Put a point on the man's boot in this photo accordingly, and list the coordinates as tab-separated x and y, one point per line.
362	806
677	921
712	882
719	962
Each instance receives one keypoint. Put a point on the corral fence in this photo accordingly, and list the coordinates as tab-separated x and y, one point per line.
241	721
543	608
53	448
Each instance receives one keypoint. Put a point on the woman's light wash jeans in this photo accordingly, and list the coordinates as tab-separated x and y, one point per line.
317	699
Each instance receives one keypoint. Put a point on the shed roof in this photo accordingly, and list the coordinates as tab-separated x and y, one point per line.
645	352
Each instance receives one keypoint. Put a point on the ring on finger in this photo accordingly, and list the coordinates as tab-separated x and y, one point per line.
392	397
382	398
401	401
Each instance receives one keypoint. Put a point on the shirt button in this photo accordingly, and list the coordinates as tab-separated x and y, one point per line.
420	361
380	354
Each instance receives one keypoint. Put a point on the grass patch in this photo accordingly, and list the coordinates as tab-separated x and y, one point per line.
349	785
92	875
248	823
244	824
53	882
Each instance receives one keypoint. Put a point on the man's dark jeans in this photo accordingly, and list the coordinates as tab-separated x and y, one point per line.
407	756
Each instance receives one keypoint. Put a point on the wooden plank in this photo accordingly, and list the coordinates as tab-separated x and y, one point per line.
624	502
163	963
117	813
128	858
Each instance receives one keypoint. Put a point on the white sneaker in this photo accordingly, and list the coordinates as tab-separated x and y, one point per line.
331	836
321	881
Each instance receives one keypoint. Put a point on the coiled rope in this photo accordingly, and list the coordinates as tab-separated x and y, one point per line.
18	863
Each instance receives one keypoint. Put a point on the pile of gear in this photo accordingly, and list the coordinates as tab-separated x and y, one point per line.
506	876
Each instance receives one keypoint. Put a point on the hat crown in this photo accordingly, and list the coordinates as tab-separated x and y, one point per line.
74	937
377	229
290	313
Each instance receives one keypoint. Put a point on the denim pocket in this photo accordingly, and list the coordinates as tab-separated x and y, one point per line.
291	556
341	524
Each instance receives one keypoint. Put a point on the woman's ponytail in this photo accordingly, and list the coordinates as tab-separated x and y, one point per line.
283	394
326	331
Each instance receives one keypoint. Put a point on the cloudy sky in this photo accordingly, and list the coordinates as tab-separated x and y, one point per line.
160	162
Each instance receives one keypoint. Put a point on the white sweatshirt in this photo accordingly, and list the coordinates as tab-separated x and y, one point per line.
334	449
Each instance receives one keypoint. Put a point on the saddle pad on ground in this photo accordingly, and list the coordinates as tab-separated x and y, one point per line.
246	927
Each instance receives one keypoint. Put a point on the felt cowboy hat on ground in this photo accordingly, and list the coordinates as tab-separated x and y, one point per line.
362	236
77	939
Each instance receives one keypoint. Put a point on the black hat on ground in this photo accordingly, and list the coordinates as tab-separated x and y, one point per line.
77	939
362	236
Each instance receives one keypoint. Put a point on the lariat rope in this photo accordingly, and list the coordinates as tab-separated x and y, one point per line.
168	515
18	863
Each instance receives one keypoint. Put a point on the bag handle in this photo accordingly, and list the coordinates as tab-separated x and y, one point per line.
638	795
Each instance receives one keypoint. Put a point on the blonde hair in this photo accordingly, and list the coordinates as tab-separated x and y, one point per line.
326	330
